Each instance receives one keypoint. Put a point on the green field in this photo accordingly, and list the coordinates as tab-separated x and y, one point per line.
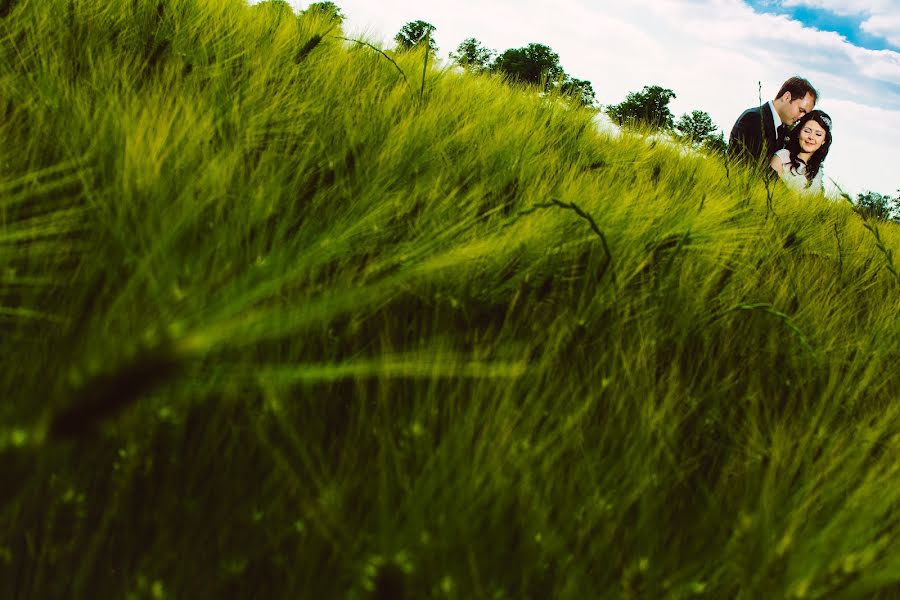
283	316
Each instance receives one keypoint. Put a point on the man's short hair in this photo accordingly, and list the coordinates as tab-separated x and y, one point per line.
798	87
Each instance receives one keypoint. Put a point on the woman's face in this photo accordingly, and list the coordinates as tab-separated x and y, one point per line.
812	136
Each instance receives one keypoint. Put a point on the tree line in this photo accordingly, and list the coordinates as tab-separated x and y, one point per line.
535	64
539	65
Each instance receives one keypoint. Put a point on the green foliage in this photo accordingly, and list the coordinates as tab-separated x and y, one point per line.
6	7
473	56
415	33
695	127
715	144
878	206
280	7
327	10
535	64
698	130
647	108
277	324
581	90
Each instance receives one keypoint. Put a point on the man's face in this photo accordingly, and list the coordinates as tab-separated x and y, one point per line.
797	107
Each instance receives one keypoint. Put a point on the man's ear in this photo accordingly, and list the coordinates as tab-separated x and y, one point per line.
786	97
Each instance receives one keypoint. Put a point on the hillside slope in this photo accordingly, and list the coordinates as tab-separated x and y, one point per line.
284	316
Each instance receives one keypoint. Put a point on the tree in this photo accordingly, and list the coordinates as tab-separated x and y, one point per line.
694	128
535	63
414	33
698	130
581	91
878	206
715	144
649	107
472	55
326	10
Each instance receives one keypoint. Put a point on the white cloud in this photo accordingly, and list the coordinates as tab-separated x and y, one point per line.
884	25
712	53
863	140
881	17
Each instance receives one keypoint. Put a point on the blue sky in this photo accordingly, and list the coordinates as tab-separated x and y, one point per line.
848	23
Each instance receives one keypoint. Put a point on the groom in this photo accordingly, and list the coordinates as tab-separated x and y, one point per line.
755	137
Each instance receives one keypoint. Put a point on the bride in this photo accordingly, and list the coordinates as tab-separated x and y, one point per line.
799	164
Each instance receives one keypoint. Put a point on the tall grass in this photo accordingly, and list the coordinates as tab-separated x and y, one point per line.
284	318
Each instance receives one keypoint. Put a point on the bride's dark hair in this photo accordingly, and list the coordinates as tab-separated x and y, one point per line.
815	161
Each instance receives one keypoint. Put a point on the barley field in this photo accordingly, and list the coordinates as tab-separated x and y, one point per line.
287	315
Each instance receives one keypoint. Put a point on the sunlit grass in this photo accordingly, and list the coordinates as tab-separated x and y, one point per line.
281	321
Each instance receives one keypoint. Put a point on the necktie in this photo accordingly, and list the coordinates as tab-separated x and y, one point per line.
783	134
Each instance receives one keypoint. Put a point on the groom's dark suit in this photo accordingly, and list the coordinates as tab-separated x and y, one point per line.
754	137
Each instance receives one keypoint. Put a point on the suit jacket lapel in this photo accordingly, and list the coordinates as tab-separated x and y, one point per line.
769	126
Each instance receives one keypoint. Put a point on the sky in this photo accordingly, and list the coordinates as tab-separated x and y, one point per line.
714	54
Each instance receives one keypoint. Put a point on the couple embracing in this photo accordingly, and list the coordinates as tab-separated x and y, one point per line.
785	136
